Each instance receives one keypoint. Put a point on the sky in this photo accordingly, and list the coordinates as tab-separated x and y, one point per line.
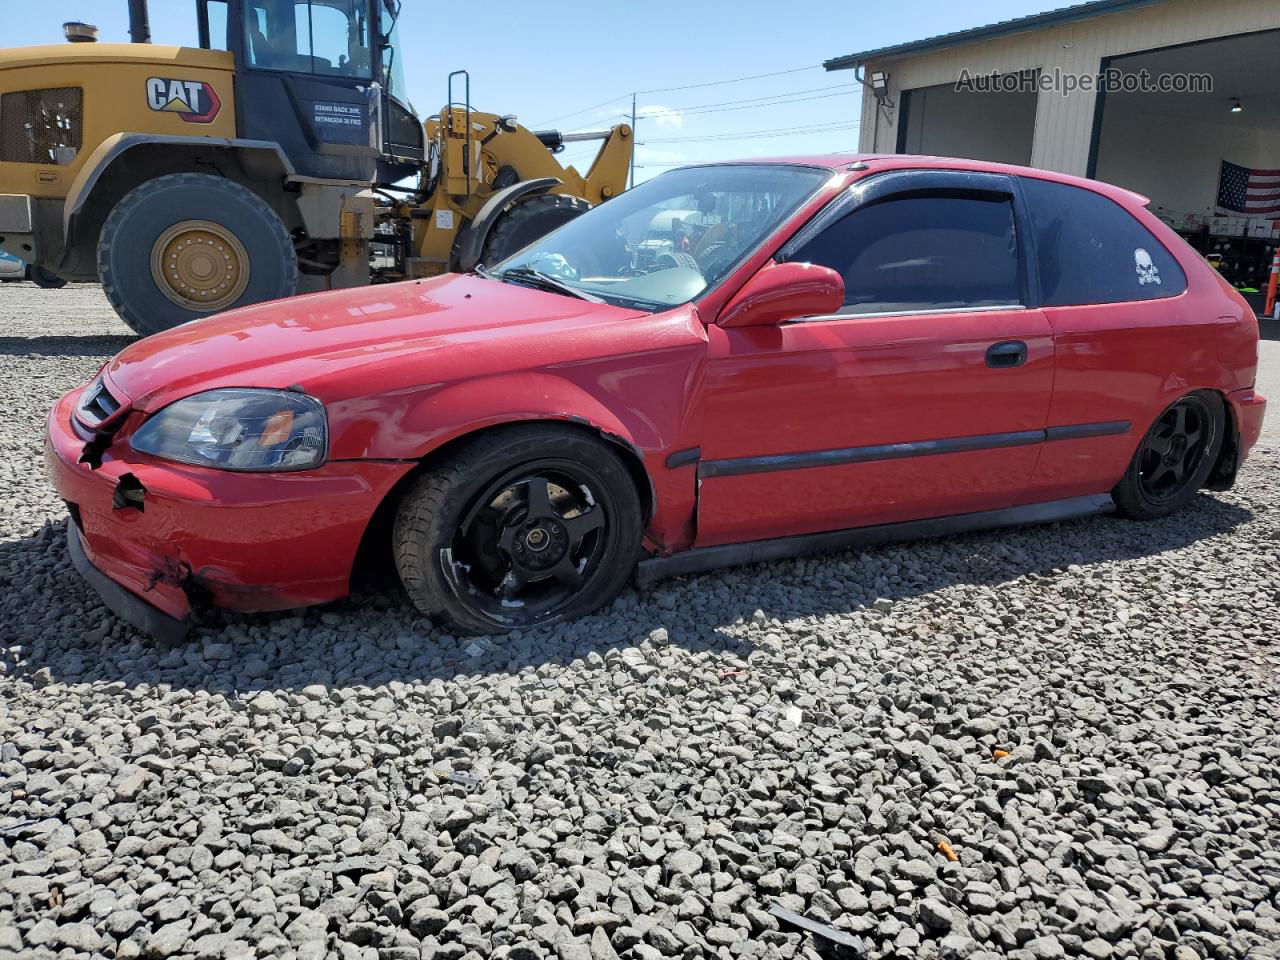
556	67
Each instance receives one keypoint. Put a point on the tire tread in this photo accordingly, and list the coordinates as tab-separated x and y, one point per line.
500	243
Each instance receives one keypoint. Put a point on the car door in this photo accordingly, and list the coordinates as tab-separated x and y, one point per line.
926	395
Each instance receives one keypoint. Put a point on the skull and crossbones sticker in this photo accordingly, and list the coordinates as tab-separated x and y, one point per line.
1148	272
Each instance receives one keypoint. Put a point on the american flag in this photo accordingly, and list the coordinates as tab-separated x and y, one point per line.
1249	193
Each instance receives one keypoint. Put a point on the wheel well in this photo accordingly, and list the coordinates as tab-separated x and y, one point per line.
144	162
374	563
1223	474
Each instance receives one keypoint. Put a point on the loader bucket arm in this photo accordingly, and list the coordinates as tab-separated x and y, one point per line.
611	165
489	169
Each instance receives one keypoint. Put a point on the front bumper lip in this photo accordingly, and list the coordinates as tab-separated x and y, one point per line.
126	605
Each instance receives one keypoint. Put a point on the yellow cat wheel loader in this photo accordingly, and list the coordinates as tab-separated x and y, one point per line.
282	156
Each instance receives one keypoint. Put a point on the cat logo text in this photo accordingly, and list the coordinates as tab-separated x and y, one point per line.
193	100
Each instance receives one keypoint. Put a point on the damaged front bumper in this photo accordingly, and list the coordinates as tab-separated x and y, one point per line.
127	606
157	538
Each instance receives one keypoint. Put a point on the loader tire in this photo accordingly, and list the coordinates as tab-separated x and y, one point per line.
529	220
188	245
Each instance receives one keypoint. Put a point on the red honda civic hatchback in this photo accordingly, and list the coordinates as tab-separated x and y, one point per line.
728	363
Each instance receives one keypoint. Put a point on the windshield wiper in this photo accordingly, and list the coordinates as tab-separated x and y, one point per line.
547	282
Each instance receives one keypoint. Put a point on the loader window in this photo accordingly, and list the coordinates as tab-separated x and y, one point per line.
329	37
392	64
211	21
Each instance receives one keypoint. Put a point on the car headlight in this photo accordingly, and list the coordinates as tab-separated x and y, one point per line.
239	429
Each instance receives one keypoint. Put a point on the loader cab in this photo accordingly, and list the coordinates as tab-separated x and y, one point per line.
324	79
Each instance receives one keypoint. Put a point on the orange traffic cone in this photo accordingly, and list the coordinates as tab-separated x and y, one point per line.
1271	309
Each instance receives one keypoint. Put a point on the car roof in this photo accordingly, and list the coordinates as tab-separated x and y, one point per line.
865	164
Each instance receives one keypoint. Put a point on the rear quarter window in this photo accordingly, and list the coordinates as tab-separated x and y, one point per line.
1089	249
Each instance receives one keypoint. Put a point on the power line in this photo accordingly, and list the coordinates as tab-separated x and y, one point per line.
790	96
759	106
772	96
584	110
754	103
748	134
615	118
698	163
717	83
687	86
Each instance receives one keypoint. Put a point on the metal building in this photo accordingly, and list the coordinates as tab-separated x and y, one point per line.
1112	89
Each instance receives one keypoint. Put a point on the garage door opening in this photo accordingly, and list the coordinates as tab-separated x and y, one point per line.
944	121
1209	160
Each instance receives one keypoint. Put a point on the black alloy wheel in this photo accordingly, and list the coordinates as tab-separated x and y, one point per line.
524	526
531	539
1174	458
1174	448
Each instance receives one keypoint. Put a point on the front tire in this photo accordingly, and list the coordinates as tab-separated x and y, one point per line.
188	245
525	526
1174	459
529	220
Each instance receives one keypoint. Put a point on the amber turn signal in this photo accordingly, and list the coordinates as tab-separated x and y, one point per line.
277	429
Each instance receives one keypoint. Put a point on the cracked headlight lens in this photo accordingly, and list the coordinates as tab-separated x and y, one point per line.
239	429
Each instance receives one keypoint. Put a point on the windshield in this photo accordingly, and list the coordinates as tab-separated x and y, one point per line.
666	241
392	64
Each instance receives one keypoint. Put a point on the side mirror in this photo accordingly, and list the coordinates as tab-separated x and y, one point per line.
784	291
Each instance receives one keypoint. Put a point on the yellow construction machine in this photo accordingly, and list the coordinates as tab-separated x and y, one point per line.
282	156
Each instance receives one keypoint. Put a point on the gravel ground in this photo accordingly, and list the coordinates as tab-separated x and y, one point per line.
1084	715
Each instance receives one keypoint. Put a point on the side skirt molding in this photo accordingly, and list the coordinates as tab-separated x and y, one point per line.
901	451
654	569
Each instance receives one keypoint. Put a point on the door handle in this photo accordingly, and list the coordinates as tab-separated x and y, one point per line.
1007	353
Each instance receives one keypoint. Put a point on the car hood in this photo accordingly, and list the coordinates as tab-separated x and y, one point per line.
353	342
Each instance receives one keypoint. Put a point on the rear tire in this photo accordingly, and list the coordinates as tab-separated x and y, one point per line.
525	526
188	245
530	220
1174	459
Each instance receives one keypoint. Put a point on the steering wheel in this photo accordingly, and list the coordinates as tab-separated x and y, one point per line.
717	257
715	236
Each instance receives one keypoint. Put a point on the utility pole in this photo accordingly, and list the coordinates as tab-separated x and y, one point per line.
633	139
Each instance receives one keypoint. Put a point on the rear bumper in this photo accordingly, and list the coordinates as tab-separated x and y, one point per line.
243	541
1249	408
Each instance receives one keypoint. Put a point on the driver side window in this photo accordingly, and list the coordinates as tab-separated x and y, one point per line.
922	253
338	41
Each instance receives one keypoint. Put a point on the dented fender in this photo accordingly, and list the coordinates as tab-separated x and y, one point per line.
416	427
464	408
